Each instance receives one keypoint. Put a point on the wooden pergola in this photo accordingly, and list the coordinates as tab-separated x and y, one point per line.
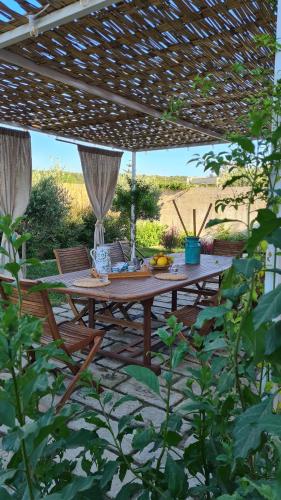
105	71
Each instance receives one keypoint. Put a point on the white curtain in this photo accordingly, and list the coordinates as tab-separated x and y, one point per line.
100	170
15	176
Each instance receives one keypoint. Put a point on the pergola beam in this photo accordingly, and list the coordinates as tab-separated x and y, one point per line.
63	137
58	76
54	20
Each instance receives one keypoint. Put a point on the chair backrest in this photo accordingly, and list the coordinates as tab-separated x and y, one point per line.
72	259
34	303
116	252
228	248
126	249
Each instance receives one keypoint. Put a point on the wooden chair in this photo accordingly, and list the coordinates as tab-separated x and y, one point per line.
73	337
126	249
220	247
116	252
228	248
188	314
120	251
71	260
77	259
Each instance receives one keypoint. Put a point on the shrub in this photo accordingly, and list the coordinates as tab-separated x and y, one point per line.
149	234
224	233
170	238
207	245
47	218
116	228
146	198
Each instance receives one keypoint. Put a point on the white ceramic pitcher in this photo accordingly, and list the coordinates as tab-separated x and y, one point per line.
101	259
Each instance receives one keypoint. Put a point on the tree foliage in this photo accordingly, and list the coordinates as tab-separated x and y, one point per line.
145	198
47	217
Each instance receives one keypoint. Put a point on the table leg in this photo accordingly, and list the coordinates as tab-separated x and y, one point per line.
91	307
147	304
174	300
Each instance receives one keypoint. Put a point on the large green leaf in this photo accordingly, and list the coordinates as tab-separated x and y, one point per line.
215	222
179	353
268	223
247	267
109	472
18	242
275	238
210	313
143	438
13	268
175	475
273	338
250	426
234	293
72	489
145	376
128	491
7	410
245	143
4	495
268	308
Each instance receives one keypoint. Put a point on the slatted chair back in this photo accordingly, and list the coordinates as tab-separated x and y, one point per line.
116	253
126	249
228	248
72	259
34	303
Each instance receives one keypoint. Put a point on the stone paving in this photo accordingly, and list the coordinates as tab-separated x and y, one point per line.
113	378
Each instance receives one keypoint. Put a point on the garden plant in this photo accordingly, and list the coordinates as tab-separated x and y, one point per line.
232	394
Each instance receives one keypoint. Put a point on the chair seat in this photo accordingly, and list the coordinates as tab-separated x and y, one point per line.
74	336
187	315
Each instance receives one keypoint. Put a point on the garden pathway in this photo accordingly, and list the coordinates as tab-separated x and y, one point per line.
113	378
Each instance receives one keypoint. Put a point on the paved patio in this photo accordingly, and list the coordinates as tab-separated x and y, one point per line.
114	379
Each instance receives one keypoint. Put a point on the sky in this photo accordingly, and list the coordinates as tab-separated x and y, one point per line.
47	151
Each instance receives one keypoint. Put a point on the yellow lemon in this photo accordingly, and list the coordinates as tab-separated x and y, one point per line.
162	261
152	262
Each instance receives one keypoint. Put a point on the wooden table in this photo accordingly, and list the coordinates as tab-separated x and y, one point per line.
141	290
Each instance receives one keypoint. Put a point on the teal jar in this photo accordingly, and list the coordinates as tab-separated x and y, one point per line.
192	250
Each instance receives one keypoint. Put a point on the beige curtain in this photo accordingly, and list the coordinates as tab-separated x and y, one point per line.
100	170
15	175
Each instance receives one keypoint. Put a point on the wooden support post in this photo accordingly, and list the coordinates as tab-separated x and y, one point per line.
194	221
205	219
133	206
180	217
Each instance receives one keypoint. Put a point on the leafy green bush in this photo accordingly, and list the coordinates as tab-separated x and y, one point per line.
47	218
149	233
145	197
116	228
225	233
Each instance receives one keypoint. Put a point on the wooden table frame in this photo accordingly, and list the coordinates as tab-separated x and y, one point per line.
142	290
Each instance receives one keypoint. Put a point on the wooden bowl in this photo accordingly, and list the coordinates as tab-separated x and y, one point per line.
161	268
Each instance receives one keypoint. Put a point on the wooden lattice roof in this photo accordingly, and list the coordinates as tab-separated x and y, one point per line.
148	51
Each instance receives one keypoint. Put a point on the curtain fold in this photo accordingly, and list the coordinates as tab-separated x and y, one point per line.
100	169
15	176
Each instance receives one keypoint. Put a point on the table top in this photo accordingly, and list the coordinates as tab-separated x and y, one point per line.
139	289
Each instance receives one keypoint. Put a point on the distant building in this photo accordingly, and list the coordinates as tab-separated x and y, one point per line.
201	181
